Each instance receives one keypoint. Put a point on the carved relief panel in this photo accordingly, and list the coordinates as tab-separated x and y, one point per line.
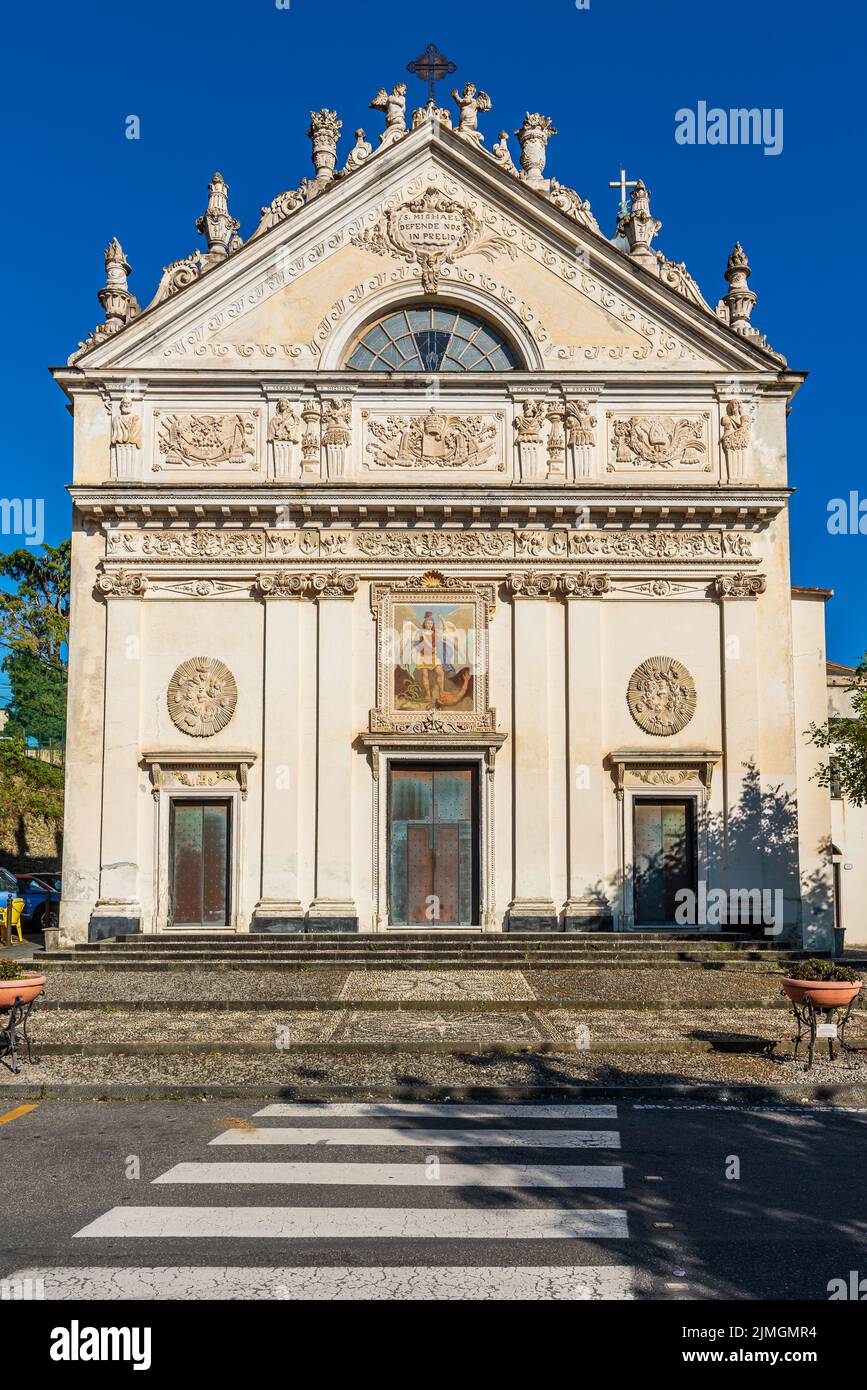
440	440
205	440
670	441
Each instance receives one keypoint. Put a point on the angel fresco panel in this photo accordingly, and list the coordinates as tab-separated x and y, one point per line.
435	655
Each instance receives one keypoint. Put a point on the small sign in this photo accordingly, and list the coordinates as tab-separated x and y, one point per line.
826	1030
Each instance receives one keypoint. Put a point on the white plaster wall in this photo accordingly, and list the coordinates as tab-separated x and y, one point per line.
232	631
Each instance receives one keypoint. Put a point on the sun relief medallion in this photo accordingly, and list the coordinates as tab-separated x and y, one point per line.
202	696
661	696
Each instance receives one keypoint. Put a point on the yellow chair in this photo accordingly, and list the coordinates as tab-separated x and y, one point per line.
5	929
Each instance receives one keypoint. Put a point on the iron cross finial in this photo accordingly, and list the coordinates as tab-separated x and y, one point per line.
432	66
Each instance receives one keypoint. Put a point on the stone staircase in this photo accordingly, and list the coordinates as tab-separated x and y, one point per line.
424	950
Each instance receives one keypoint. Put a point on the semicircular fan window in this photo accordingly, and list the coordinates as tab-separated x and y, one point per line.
426	338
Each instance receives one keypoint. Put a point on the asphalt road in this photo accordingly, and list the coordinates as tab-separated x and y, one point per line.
615	1201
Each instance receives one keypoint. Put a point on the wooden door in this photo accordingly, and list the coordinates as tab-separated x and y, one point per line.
433	846
663	856
200	869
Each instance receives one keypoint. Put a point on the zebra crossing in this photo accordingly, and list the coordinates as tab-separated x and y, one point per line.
393	1191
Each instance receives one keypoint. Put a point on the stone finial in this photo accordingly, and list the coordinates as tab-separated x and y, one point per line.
470	102
639	227
324	132
502	153
215	224
359	154
740	299
533	136
118	304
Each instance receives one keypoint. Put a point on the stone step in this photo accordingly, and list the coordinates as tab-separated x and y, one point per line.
510	941
411	963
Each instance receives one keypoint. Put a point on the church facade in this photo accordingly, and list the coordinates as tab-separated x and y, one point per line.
431	569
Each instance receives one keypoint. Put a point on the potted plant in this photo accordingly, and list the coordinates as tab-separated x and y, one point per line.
18	980
825	984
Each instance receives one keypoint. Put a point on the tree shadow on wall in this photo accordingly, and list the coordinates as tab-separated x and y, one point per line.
753	848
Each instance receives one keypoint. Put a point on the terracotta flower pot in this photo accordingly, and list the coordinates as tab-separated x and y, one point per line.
825	994
24	989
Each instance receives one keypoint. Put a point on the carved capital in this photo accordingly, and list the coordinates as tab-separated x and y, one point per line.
122	584
533	584
337	584
282	584
583	584
739	585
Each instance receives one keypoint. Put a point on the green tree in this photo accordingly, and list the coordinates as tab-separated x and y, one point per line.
34	630
845	737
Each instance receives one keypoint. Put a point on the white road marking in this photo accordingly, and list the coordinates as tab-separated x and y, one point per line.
354	1223
399	1174
333	1284
434	1110
429	1138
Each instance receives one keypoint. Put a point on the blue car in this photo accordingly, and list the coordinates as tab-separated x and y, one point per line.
36	892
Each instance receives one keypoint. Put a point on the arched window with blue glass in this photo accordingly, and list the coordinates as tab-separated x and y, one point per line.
432	338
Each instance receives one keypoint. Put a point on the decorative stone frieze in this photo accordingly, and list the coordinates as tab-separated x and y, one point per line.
433	545
202	696
740	585
661	696
561	544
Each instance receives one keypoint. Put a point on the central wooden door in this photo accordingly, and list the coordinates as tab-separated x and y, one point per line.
665	857
432	846
200	844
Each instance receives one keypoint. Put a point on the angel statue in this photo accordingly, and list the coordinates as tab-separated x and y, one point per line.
393	103
471	103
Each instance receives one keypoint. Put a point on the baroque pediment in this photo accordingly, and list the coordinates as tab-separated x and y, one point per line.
430	216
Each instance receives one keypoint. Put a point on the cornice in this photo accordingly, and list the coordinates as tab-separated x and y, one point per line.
522	505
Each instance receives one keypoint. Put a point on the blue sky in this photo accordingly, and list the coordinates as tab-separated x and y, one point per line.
229	86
